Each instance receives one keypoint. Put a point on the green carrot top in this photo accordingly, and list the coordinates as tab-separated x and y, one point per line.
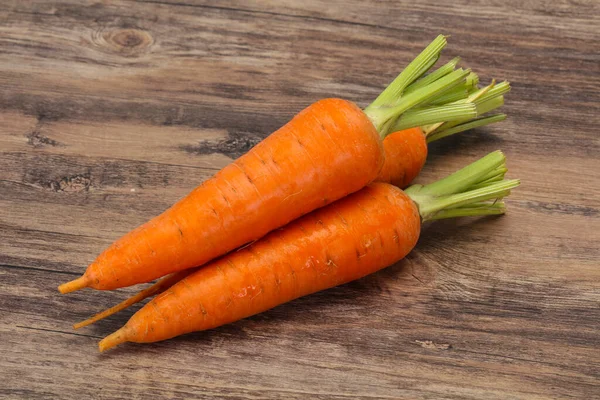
477	189
443	102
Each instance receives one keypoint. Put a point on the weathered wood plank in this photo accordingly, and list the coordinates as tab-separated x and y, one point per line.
112	110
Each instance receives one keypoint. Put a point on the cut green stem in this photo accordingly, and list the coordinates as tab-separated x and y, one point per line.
486	208
489	105
499	89
466	190
412	72
469	98
475	123
488	182
432	115
455	94
458	93
486	99
500	171
411	99
496	190
434	76
381	117
465	177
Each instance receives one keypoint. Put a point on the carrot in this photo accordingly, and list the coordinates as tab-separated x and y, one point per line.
357	235
405	154
330	149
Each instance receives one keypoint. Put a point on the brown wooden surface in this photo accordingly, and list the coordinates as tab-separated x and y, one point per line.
112	110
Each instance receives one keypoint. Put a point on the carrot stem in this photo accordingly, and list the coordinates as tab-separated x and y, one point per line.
491	191
499	89
475	123
454	94
485	183
381	117
465	177
466	191
413	88
459	92
434	76
489	105
496	208
412	72
75	284
435	114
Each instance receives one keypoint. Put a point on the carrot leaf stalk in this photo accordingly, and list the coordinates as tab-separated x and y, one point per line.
419	66
475	123
429	115
459	92
434	76
413	88
474	190
486	99
383	118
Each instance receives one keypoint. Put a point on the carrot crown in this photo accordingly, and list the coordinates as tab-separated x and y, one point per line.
477	189
443	102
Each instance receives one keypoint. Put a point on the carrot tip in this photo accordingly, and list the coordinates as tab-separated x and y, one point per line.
113	340
81	324
74	285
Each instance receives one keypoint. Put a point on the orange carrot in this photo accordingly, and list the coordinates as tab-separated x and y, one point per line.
330	149
405	154
358	235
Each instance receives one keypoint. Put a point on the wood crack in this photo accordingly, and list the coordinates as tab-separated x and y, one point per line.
272	13
8	266
57	331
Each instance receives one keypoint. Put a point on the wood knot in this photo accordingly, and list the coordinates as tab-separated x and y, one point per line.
70	184
128	42
428	344
37	140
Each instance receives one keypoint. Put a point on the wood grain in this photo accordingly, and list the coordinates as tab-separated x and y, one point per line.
112	110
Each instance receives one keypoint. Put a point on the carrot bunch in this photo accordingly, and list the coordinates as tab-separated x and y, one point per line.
353	237
323	159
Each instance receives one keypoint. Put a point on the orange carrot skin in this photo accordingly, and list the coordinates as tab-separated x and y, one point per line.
405	156
354	237
328	150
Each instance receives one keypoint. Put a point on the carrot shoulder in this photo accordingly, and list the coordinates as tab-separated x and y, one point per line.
344	241
330	149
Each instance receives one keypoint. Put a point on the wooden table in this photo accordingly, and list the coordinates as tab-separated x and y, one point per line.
112	110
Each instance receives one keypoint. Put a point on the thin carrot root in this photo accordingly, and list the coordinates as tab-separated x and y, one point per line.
76	284
115	309
157	288
112	340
